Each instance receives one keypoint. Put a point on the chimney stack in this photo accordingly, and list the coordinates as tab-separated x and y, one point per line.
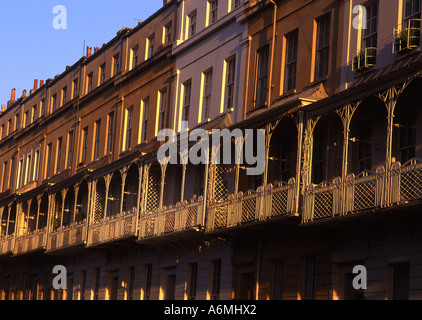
35	88
12	97
24	93
88	51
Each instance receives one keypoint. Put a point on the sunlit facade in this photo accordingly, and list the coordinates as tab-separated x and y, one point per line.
81	184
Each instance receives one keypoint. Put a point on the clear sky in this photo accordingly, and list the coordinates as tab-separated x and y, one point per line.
31	48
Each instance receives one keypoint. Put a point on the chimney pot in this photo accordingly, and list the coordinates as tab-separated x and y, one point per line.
88	51
24	93
41	83
35	84
3	107
13	95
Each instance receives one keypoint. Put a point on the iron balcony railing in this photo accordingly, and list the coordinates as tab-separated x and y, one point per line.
252	206
187	215
69	236
407	36
113	228
364	59
402	184
7	244
31	242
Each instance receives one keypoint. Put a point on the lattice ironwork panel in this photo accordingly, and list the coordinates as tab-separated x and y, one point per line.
96	235
220	183
78	235
57	218
149	227
220	216
191	216
248	208
323	204
279	202
99	204
154	186
364	195
169	223
410	184
127	226
111	230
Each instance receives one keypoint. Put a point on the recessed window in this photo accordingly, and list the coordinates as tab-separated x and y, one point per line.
102	74
192	24
150	46
116	64
28	168
69	149
167	33
309	278
128	132
84	144
97	139
147	282
261	77
17	121
216	279
291	61
206	98
59	154
110	133
26	119
34	113
134	57
145	111
162	109
49	154
3	175
412	9
54	102
400	281
277	280
75	88
187	87
371	31
212	11
64	96
89	81
230	77
322	46
20	173
36	169
193	280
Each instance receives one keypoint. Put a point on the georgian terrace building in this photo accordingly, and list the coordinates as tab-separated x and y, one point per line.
341	185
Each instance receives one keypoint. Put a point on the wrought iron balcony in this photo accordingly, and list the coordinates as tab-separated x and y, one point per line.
66	237
407	36
187	215
253	206
368	191
113	228
364	59
31	242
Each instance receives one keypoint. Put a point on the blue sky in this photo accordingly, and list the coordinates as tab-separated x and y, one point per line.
31	48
